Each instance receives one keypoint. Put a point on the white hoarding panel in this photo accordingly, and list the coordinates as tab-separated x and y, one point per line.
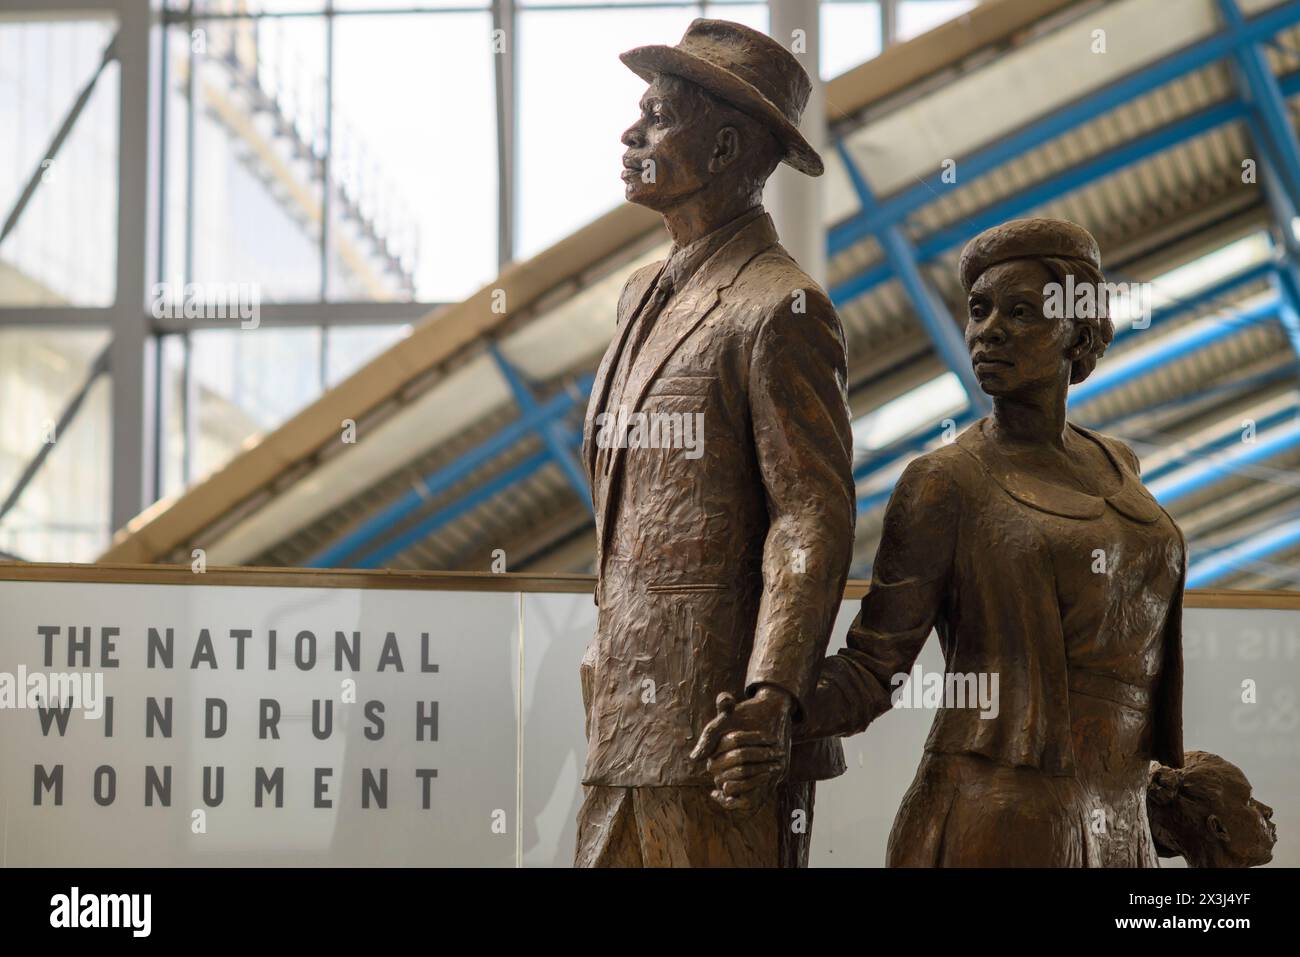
259	726
556	631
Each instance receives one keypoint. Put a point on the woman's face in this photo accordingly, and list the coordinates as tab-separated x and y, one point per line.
1013	347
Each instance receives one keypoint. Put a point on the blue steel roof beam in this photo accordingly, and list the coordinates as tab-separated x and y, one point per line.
1233	389
919	440
1287	281
1198	299
912	442
1279	160
944	333
1092	170
470	501
1286	246
1236	558
1177	346
1241	460
550	431
1262	92
1216	444
425	527
442	480
895	208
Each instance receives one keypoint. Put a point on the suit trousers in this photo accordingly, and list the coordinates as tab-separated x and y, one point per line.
684	827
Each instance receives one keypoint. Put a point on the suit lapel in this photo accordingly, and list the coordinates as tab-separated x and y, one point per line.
600	385
689	308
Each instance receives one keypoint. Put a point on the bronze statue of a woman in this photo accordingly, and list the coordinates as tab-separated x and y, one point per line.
1032	547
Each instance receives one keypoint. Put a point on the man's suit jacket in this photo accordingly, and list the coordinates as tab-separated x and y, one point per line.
724	571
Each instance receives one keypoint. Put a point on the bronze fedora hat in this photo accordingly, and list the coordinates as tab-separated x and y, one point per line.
748	69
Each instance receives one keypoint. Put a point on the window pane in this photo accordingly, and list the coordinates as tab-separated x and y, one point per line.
750	14
171	415
718	10
258	140
62	515
348	348
850	35
576	99
344	6
348	5
263	6
414	158
62	249
175	147
249	382
917	16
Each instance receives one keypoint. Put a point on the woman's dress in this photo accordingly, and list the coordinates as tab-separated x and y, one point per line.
1074	601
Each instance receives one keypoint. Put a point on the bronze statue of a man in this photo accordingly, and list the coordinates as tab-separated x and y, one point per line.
721	565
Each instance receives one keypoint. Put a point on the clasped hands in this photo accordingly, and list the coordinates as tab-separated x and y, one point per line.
748	746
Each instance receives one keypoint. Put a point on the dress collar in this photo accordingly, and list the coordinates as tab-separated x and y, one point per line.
1130	497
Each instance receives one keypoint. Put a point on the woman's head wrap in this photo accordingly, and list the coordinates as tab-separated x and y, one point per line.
1063	248
1027	239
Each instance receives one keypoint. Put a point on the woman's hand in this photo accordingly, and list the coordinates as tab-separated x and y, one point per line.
748	747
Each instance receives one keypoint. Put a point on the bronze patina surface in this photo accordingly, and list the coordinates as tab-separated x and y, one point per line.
720	566
1033	549
1205	813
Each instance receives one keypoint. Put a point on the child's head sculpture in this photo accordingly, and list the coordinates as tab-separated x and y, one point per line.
1204	812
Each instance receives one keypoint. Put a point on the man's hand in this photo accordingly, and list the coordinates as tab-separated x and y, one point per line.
748	746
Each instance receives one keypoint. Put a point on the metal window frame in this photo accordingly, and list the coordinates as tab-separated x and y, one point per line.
135	350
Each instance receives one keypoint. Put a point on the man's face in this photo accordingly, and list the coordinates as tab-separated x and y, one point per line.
668	149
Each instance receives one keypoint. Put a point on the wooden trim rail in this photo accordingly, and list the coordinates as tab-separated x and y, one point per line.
128	574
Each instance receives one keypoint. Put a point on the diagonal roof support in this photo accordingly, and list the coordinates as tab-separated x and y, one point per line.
1210	50
97	368
441	481
1240	556
551	431
935	318
1259	88
56	144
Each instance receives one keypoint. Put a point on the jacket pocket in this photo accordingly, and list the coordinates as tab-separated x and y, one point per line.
687	587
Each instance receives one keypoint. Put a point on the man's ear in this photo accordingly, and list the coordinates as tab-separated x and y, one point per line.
726	149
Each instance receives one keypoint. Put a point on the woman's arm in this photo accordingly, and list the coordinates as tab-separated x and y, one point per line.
909	583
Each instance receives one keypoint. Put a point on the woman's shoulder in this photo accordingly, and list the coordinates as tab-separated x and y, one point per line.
940	472
1119	449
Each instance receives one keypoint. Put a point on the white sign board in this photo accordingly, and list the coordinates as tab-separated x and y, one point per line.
259	726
